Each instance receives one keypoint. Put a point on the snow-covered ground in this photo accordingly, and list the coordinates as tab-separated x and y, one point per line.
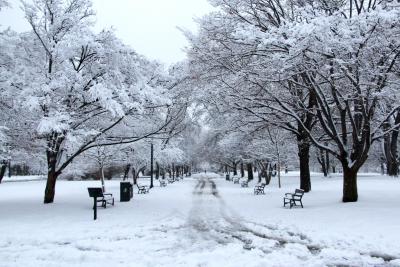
202	221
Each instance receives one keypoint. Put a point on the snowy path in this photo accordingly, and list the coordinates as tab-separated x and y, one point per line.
212	220
190	223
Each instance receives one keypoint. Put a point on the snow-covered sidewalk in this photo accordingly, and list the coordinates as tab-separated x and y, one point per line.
201	221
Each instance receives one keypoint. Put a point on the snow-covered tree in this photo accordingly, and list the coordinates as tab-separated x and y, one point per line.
275	62
85	87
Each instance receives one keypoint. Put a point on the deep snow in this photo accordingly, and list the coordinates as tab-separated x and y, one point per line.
201	221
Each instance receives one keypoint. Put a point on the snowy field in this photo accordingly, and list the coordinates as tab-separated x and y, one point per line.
202	221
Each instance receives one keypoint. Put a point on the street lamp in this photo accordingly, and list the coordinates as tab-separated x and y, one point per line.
151	164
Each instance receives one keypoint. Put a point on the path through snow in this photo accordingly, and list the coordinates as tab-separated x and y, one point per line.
206	233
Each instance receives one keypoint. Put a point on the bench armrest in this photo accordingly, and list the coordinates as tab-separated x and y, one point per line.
107	194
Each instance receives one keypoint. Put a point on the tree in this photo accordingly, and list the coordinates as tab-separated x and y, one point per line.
83	86
229	53
348	81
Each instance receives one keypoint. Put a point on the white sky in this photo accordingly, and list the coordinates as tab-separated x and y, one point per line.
149	26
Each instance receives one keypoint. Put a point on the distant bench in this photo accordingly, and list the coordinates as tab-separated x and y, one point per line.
259	189
294	199
143	189
163	183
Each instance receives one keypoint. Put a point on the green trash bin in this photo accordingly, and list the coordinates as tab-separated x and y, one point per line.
126	191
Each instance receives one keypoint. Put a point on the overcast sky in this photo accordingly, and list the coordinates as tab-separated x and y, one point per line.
149	26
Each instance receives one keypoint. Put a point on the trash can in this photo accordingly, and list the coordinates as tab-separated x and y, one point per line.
126	191
227	177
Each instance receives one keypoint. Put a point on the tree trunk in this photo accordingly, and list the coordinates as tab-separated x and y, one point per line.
304	157
321	160
327	160
393	168
103	186
52	175
242	169
157	171
250	171
350	193
235	169
126	172
279	172
390	147
3	167
134	176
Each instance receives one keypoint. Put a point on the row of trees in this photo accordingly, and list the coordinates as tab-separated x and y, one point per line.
74	93
323	73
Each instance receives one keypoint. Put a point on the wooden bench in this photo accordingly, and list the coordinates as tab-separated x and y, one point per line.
143	189
171	180
245	184
236	180
163	183
259	189
294	199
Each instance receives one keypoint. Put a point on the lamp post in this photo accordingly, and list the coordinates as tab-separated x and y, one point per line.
151	165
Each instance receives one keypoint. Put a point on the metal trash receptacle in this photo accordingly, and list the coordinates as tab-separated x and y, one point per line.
126	191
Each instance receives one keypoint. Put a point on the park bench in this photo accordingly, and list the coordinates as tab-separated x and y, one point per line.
245	184
236	180
171	180
100	197
163	183
143	189
294	199
259	189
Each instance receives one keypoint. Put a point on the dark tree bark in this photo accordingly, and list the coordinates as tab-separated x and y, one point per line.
3	167
134	176
52	176
157	171
390	147
235	168
323	160
250	175
327	161
242	169
304	158
350	193
126	172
